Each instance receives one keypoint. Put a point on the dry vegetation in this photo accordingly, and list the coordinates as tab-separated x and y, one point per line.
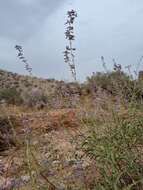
34	92
85	136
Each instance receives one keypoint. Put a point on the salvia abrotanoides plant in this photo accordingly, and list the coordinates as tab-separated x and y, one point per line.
69	56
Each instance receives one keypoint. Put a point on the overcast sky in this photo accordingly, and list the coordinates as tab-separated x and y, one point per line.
112	29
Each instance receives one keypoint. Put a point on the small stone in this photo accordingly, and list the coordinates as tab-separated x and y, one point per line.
25	178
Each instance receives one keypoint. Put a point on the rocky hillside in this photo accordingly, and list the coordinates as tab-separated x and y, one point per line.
14	80
32	90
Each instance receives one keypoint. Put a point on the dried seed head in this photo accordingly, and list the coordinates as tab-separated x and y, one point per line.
20	55
69	34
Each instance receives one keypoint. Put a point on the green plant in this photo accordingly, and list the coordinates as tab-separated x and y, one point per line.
117	151
117	83
10	95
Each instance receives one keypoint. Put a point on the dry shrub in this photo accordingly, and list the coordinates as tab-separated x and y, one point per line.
34	98
7	132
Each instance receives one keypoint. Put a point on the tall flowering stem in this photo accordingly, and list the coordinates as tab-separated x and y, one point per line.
69	56
20	55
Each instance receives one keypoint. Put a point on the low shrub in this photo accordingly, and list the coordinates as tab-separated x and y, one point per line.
7	133
10	96
34	97
118	84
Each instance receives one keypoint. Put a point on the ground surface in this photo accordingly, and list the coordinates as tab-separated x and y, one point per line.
46	153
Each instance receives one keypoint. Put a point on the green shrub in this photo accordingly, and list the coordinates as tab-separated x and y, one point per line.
118	84
10	95
109	81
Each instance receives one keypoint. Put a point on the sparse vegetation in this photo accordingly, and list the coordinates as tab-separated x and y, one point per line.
57	135
96	134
